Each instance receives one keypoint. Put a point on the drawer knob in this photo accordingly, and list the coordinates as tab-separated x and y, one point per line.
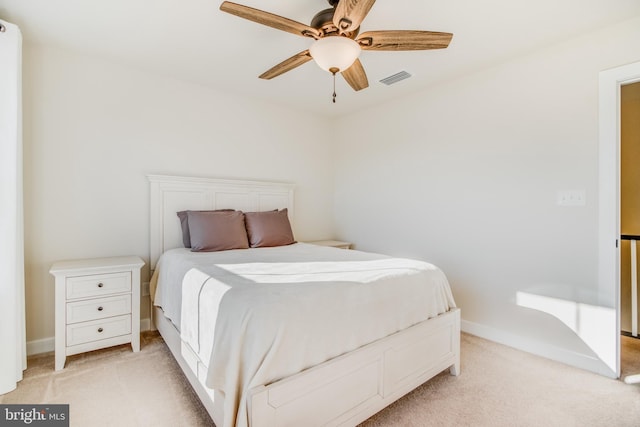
100	329
100	308
100	285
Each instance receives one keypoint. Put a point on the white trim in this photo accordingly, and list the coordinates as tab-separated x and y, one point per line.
580	360
634	289
145	324
609	190
44	345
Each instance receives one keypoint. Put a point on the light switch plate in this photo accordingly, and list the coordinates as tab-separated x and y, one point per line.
571	198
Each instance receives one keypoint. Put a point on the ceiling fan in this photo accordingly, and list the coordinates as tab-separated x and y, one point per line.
338	41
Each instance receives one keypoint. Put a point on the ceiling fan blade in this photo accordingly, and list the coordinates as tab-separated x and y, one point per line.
287	65
356	77
349	14
269	19
403	40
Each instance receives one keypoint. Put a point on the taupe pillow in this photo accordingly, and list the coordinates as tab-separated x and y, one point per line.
184	224
217	230
271	228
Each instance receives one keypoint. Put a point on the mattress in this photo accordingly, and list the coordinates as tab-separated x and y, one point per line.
254	316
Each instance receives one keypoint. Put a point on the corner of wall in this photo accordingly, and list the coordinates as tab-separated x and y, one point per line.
538	348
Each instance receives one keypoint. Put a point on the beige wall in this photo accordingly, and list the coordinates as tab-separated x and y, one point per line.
480	199
94	129
629	191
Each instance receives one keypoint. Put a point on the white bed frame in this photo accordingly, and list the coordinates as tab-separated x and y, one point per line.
340	392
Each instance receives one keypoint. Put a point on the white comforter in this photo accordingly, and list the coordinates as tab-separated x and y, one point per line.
258	315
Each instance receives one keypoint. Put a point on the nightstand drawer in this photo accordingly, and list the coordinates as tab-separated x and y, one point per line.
98	308
95	330
98	285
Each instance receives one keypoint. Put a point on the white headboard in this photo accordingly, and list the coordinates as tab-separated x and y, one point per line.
170	194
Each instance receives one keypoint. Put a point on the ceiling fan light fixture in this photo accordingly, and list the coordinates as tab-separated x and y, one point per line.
335	52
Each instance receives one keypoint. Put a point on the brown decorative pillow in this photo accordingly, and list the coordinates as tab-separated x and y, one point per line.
184	224
217	230
271	228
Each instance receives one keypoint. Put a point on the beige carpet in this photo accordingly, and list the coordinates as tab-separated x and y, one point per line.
499	386
115	387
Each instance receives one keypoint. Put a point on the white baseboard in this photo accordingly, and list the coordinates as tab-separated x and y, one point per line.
46	345
43	345
579	360
145	324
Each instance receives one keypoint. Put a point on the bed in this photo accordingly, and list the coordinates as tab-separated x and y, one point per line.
295	334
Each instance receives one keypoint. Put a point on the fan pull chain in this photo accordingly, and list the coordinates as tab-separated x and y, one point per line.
334	88
333	71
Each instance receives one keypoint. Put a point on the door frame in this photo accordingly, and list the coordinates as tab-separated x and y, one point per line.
610	82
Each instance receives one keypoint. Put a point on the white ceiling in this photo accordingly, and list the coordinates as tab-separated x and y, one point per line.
193	40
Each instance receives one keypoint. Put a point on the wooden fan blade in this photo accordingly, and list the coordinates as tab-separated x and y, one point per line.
356	77
287	65
403	40
349	14
269	19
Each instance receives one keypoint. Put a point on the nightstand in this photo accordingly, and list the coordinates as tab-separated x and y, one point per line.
332	243
97	304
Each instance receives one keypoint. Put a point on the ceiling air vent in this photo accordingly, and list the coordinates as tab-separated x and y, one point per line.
395	78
